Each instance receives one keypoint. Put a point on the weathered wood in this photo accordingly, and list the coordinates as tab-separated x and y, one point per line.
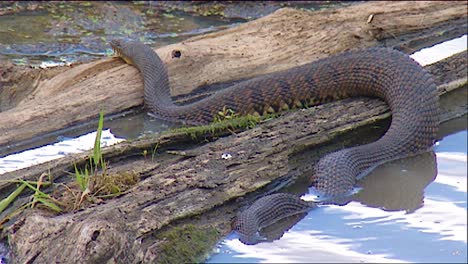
279	41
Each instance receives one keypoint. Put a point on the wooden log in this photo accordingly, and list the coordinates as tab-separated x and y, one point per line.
276	42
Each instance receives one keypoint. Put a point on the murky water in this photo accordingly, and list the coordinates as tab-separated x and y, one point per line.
60	33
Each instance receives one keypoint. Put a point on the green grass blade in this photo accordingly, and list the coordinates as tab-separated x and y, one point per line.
154	151
35	189
97	156
79	178
45	184
85	179
91	166
49	204
43	198
7	201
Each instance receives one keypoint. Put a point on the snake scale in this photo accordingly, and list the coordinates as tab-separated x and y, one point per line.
376	72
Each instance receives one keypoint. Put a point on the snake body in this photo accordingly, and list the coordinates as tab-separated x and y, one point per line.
260	214
376	72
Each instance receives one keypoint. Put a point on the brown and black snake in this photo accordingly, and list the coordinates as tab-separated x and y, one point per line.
376	72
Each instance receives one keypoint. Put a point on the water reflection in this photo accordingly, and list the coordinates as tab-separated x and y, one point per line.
404	213
134	126
398	185
305	246
54	151
450	164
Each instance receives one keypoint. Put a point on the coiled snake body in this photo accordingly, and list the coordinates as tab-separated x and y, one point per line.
377	72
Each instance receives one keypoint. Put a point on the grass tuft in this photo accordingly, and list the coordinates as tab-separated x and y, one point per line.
92	183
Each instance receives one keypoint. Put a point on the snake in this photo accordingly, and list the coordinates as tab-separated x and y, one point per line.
385	73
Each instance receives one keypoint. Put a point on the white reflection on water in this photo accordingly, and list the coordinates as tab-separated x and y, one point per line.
443	212
305	247
451	168
441	51
55	151
444	218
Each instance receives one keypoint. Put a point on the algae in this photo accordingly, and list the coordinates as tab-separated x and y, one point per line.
187	244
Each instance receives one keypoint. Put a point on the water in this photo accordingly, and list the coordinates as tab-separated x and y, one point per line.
53	34
56	34
417	224
54	151
441	51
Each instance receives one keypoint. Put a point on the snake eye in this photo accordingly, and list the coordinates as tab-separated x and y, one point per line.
115	44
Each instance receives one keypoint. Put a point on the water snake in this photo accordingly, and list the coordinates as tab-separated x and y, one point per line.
376	72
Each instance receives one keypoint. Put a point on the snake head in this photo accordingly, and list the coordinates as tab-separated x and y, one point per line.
119	47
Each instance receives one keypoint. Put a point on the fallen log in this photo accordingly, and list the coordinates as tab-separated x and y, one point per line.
279	41
169	206
177	189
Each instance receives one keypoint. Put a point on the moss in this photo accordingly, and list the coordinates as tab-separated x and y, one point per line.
210	10
195	132
187	244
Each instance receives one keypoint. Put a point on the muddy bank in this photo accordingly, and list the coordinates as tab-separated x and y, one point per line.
278	41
